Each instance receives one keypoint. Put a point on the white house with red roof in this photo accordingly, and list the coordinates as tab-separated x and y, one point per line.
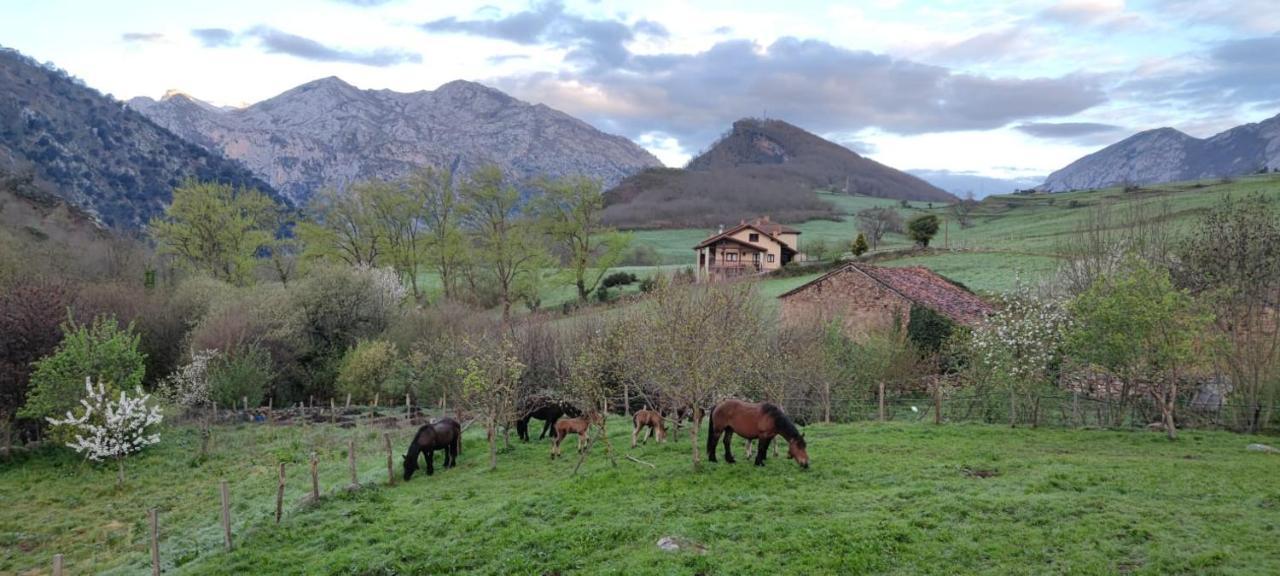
751	247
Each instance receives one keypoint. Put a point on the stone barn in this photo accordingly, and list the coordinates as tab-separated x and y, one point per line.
866	298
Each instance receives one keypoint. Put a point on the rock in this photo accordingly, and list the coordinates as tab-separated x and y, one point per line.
1262	448
676	544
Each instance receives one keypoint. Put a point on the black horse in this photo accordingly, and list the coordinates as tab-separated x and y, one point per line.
445	434
549	411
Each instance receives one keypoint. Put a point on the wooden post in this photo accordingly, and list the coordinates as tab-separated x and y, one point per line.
226	514
937	402
375	401
155	541
280	495
315	477
391	470
348	399
271	414
882	401
408	412
1075	408
57	565
333	411
245	400
351	461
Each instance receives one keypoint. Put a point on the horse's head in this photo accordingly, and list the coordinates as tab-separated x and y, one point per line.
410	466
796	451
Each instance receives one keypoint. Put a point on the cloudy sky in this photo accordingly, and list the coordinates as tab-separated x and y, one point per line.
1001	88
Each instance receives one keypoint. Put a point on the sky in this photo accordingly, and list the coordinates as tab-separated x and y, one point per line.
1003	89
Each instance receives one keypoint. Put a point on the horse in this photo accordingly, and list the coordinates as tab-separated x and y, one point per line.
445	434
549	411
569	426
648	419
759	421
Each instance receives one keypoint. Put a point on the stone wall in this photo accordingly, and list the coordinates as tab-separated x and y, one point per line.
862	304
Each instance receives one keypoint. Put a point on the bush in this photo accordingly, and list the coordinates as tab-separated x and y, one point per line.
927	329
618	279
244	374
859	246
30	316
372	367
649	284
102	351
602	295
642	255
922	229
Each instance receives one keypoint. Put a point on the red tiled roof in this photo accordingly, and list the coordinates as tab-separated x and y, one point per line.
762	225
921	286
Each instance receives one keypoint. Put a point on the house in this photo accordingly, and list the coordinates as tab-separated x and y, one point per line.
865	298
751	247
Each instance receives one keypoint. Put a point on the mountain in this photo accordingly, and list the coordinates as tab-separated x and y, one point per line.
92	150
1167	155
759	167
327	133
964	183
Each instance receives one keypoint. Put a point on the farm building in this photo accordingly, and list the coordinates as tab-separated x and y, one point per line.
866	298
752	247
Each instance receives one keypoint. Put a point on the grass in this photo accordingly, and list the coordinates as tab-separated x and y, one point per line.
897	498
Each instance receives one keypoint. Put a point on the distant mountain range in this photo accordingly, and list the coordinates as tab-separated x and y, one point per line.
327	133
1167	155
962	183
760	167
93	151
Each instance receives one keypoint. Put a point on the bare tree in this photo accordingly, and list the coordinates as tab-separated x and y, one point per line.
1109	233
874	223
489	383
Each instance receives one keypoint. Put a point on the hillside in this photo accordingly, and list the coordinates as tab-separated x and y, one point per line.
91	150
758	167
328	133
1167	155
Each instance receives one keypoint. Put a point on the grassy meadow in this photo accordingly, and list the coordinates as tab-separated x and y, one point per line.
895	498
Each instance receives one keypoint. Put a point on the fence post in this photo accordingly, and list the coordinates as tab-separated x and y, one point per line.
57	565
333	411
408	412
348	399
155	541
1075	408
375	401
315	478
245	400
391	470
882	401
351	462
280	495
937	402
271	414
226	514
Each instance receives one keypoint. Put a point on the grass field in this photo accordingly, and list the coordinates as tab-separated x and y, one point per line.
897	498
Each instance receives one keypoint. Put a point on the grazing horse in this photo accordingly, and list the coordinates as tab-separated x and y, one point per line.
445	434
569	426
758	421
549	411
648	419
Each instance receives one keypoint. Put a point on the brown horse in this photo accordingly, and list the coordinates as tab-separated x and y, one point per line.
759	421
569	426
648	419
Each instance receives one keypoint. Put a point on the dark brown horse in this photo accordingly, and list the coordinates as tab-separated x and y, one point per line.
444	434
648	419
569	426
758	421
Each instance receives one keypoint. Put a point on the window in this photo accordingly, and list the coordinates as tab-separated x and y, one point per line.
730	257
753	238
755	257
769	258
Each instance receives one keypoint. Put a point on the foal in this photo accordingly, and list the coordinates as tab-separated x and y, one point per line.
648	419
577	426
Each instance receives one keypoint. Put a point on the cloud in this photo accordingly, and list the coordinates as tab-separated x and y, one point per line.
1224	76
365	3
214	37
860	146
985	47
278	42
807	82
590	41
1108	15
504	58
1249	16
1065	129
142	36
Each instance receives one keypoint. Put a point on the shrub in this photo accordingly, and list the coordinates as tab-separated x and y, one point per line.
30	316
372	367
922	229
101	350
859	246
927	329
244	374
642	255
618	279
649	284
603	295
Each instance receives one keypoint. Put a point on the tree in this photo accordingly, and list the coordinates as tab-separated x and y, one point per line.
446	247
111	428
1231	261
570	210
1020	347
1140	327
31	313
506	246
398	215
373	367
341	226
490	383
188	388
859	246
216	229
922	228
876	222
240	376
101	349
962	209
818	249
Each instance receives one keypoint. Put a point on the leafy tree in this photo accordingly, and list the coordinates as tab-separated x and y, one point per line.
490	383
216	229
922	228
570	211
101	350
818	249
398	214
506	246
1139	326
1020	347
109	428
244	375
373	367
859	246
341	226
446	247
876	222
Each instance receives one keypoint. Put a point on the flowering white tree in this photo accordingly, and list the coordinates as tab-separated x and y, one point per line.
188	388
1021	343
112	428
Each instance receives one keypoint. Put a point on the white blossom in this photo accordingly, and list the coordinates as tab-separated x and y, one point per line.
1024	338
188	387
111	428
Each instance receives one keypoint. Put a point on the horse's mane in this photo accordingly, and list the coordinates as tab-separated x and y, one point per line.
785	426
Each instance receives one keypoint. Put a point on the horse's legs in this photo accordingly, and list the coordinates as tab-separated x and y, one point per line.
728	439
457	448
634	430
522	428
582	437
431	459
747	446
713	436
548	425
762	449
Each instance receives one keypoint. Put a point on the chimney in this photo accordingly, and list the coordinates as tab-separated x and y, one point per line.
721	230
766	218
